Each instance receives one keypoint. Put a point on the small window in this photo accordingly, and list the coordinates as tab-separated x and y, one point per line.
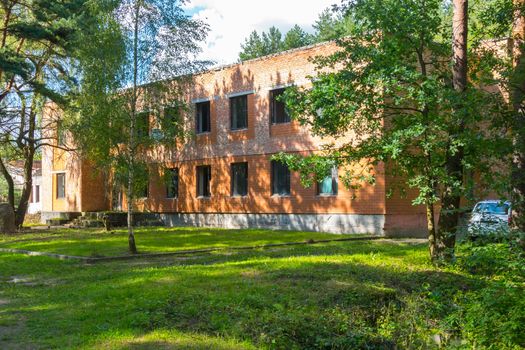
171	118
239	112
278	108
36	194
328	186
142	125
202	117
203	181
173	183
280	179
239	179
61	185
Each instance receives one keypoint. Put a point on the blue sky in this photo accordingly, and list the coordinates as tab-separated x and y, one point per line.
231	21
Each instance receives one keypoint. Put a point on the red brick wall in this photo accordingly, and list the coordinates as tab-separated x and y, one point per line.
366	200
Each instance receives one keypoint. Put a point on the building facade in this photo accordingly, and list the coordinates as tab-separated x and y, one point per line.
224	176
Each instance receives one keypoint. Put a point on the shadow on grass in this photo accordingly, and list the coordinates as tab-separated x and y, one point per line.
327	296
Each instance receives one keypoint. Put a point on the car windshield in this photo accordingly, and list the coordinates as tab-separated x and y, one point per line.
492	208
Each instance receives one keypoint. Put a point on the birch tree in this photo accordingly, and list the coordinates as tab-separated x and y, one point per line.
161	45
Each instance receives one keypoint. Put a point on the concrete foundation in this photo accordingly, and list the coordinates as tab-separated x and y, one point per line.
332	223
47	215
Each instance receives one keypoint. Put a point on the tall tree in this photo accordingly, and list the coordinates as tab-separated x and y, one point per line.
38	48
253	47
296	37
517	94
331	25
113	128
451	194
272	40
392	96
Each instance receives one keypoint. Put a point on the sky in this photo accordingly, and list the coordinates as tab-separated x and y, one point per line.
232	21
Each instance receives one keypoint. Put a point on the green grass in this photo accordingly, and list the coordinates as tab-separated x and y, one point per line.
152	240
344	295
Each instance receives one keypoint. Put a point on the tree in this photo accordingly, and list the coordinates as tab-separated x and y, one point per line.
271	42
253	47
296	37
517	94
451	193
331	25
38	47
392	94
115	112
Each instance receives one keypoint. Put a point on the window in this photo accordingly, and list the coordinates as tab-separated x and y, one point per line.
280	179
61	185
239	179
277	108
202	117
203	181
142	125
173	183
328	186
36	194
172	118
239	112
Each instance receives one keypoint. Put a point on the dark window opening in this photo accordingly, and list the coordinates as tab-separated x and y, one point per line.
239	179
142	125
61	185
173	183
172	118
278	108
36	194
202	117
203	181
239	112
280	179
328	186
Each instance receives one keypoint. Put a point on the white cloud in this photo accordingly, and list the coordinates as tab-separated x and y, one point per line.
231	21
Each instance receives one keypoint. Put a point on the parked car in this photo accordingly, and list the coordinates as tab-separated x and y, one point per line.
490	216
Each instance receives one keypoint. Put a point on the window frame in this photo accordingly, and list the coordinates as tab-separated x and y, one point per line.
233	188
59	195
198	117
335	184
232	101
206	193
36	194
273	102
173	171
288	179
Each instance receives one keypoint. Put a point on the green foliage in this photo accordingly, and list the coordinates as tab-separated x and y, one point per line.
296	37
392	95
267	43
132	94
331	25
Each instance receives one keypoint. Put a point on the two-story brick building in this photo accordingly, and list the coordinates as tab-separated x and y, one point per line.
224	176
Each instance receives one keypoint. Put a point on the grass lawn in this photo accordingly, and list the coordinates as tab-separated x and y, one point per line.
97	242
344	295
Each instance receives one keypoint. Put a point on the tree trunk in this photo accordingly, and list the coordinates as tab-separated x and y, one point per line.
133	117
517	88
131	234
451	197
431	228
23	204
10	184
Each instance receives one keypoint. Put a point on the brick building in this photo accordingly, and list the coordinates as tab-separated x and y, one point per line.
224	175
